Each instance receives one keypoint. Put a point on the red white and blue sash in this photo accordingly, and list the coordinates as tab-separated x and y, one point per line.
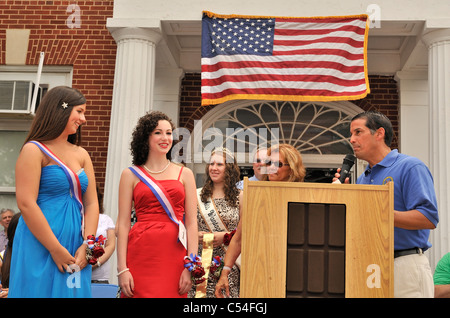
74	181
163	198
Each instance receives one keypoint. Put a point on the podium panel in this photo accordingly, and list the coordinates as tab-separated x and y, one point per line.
315	250
357	258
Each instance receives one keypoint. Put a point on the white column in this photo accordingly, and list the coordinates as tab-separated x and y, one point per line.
132	98
438	42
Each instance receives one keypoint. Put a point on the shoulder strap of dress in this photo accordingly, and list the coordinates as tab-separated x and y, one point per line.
180	173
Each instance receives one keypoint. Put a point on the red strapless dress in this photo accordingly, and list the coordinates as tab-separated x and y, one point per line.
155	256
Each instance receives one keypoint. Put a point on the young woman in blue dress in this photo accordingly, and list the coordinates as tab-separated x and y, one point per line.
56	193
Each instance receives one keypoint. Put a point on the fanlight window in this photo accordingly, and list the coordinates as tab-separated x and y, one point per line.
312	128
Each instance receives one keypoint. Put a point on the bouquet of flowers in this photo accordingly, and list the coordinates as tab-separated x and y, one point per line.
194	264
95	248
216	266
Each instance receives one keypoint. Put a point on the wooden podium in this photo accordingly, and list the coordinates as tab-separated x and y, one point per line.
367	257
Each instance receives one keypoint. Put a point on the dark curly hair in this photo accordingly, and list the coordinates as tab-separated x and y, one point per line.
139	142
232	174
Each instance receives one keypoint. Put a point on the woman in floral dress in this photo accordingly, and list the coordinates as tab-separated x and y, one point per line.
218	215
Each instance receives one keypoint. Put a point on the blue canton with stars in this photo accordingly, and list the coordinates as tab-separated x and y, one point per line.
237	36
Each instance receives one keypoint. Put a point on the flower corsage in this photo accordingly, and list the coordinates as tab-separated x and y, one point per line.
216	266
194	264
95	248
227	237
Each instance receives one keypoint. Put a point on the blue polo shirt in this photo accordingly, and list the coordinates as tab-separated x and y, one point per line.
240	184
413	190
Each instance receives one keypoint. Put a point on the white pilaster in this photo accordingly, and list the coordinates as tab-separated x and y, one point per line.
167	91
438	43
132	98
414	110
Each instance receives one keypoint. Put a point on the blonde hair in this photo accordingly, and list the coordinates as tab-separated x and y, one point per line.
292	157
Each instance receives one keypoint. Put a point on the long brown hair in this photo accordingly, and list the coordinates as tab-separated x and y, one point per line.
232	174
51	117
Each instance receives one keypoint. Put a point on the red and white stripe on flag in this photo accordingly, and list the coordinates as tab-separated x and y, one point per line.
289	59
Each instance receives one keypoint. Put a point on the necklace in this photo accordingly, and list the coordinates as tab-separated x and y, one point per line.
160	171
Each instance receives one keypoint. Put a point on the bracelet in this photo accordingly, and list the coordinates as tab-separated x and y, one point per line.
95	248
122	271
90	240
227	267
227	237
193	263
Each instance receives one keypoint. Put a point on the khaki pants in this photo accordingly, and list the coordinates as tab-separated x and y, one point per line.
413	277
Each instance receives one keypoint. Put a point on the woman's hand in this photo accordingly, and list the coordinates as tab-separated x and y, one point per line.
222	285
185	283
62	259
80	257
218	238
126	283
3	292
200	237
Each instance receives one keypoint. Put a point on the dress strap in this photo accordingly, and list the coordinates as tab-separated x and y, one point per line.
180	173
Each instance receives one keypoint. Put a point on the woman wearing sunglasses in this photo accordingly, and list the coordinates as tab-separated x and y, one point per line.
284	164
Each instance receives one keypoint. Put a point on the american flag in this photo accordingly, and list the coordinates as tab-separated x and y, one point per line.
291	59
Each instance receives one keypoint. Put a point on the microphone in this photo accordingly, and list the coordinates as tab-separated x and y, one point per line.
347	164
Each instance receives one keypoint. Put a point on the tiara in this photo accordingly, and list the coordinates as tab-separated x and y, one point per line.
223	150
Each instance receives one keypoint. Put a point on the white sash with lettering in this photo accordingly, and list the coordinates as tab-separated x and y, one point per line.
212	219
74	181
163	198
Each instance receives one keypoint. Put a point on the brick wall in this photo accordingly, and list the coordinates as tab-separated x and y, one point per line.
383	97
89	48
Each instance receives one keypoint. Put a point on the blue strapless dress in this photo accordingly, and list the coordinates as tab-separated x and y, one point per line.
33	272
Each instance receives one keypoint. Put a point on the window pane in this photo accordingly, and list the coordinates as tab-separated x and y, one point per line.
10	144
6	94
21	96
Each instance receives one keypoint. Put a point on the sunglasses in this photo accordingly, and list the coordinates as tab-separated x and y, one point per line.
278	164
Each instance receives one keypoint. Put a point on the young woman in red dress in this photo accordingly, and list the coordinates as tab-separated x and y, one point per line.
151	254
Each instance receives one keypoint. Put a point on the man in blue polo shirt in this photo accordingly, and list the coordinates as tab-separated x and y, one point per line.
415	204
